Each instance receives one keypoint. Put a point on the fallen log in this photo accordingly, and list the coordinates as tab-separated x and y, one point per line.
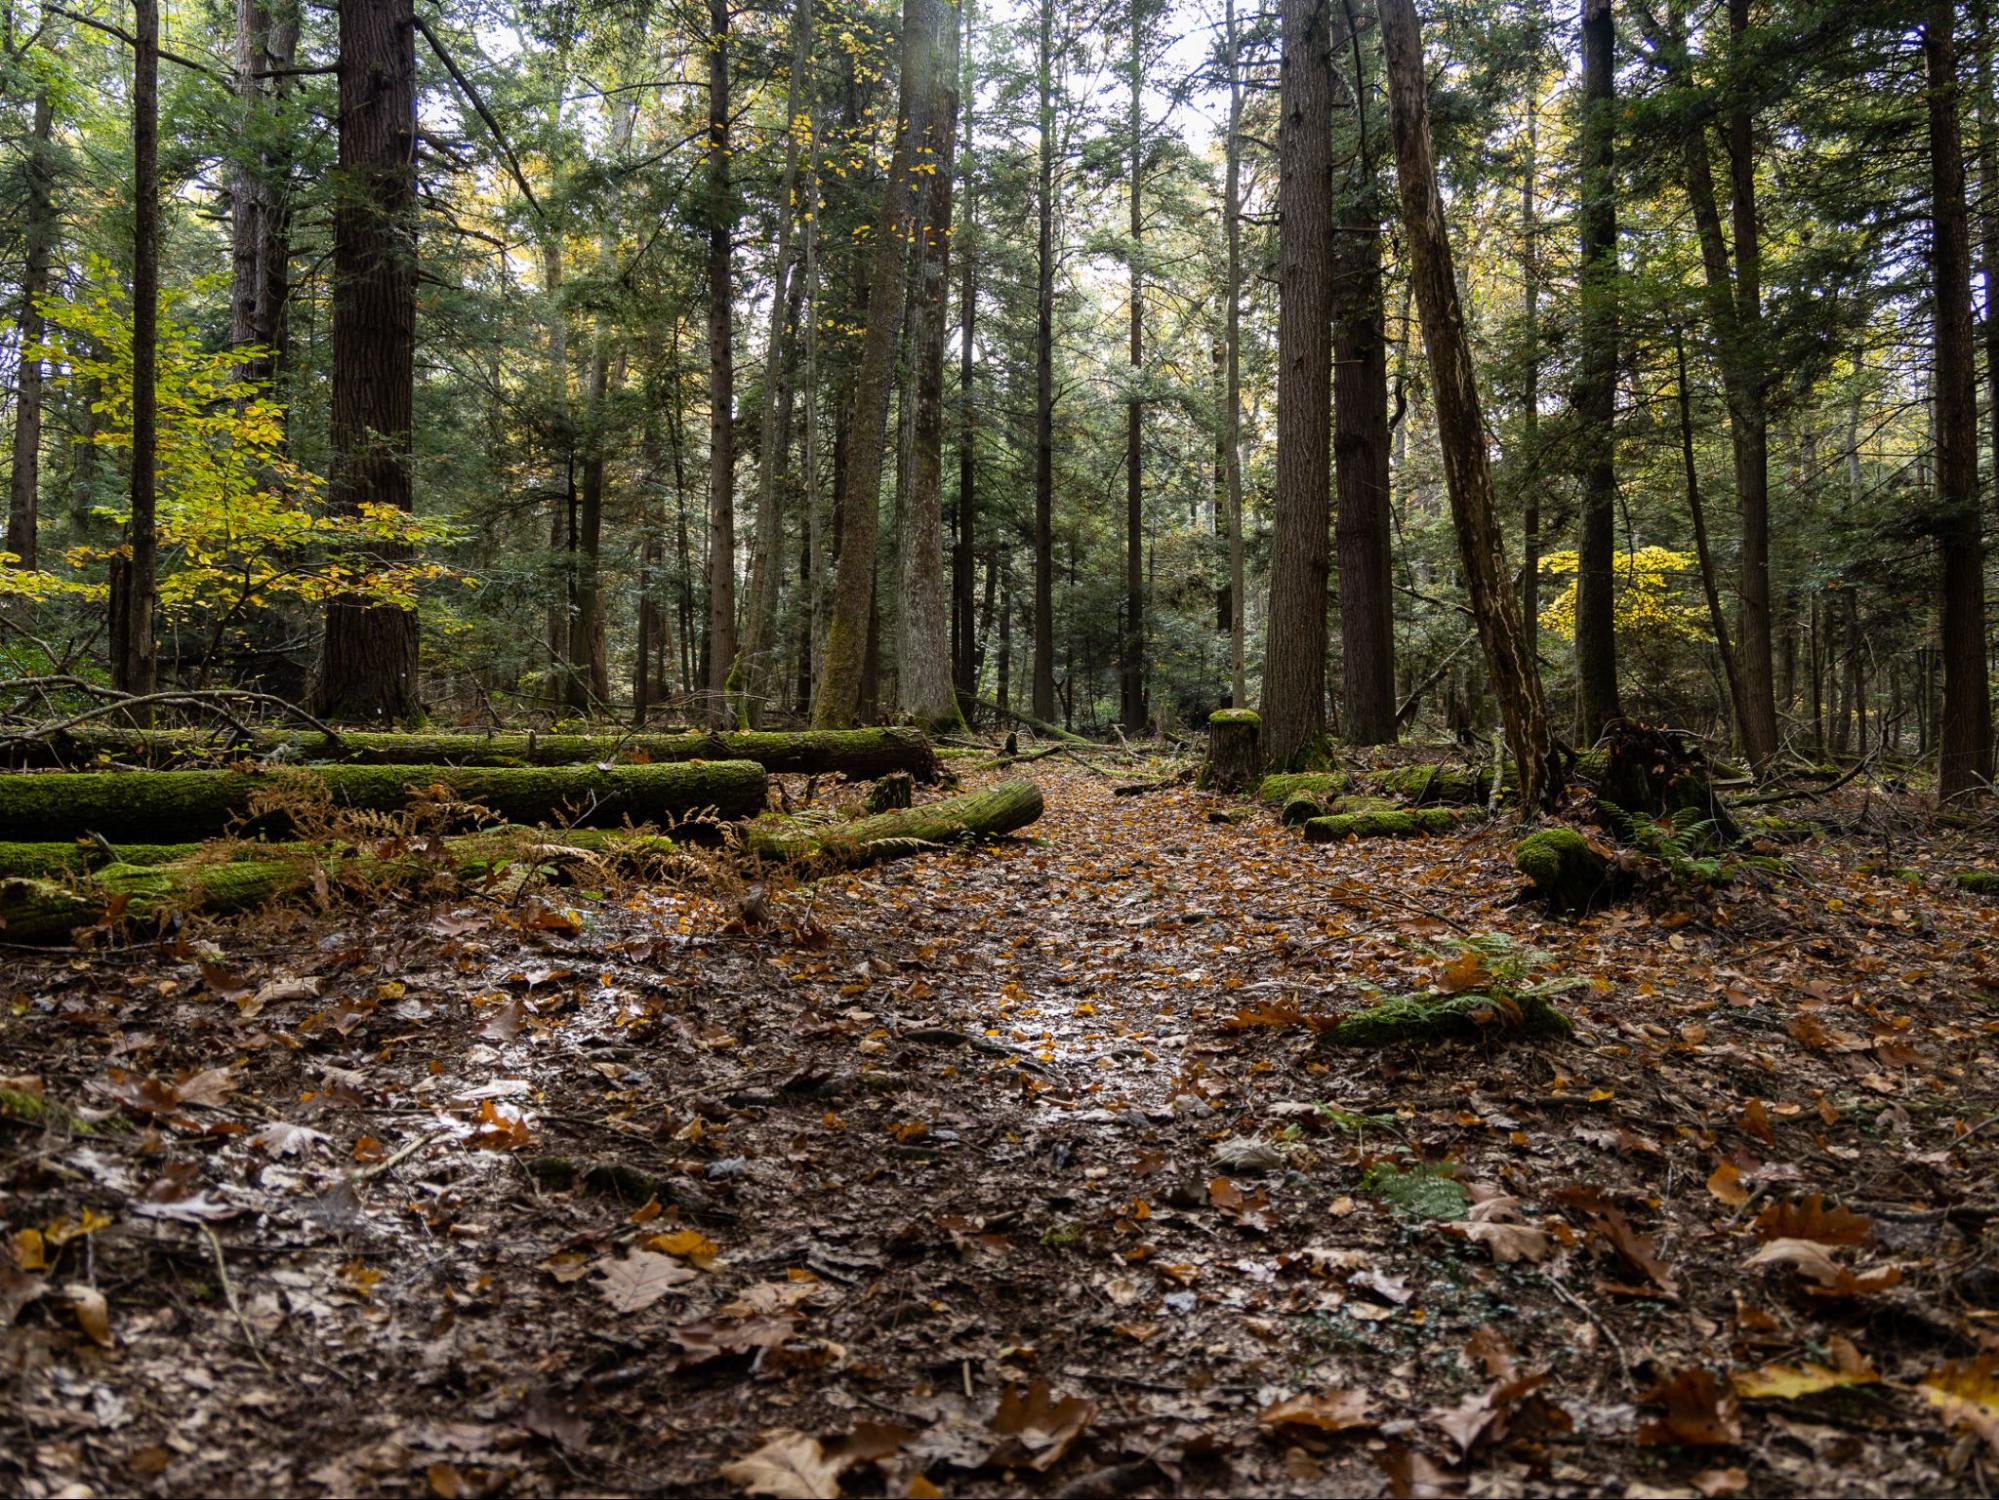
969	816
218	880
861	754
1040	726
166	805
221	880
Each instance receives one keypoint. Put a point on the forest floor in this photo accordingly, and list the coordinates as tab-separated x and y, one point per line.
1020	1171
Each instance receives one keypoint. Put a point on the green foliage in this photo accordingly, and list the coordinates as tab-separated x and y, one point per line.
1421	1190
1564	870
1689	845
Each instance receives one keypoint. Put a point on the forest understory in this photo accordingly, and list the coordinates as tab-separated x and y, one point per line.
1024	1170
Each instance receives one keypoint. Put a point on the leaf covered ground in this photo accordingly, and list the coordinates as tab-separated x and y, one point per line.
1023	1170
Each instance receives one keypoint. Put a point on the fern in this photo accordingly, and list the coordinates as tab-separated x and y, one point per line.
1685	842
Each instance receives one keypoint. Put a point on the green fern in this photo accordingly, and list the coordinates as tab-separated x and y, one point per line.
1685	842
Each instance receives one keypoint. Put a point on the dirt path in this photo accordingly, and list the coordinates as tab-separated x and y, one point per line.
510	1208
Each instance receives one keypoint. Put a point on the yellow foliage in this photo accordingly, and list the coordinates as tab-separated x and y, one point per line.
1649	590
241	526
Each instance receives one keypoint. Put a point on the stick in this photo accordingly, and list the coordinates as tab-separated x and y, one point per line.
229	1291
368	1174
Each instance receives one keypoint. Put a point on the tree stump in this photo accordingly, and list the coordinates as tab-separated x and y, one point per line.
1235	751
891	792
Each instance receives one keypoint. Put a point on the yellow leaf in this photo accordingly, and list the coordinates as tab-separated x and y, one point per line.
691	1245
1779	1382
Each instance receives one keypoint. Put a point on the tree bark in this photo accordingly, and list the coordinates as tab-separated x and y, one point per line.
964	635
1516	682
1131	677
1965	731
135	663
260	238
38	228
368	664
760	618
838	702
1044	383
1530	395
1596	381
1294	662
925	690
1360	433
1232	338
721	377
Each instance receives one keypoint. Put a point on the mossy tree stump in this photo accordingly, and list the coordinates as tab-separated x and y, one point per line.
1562	869
1235	751
891	792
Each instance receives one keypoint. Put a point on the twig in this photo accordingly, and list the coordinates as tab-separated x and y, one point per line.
367	1174
229	1292
1616	1346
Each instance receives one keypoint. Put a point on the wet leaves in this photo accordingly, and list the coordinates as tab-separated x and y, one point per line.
639	1279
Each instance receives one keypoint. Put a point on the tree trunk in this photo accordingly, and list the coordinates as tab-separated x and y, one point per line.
1530	395
1460	425
266	37
964	636
1965	730
1294	666
1131	677
1232	337
1717	619
925	690
38	228
842	683
721	377
1360	434
562	456
368	665
135	660
1596	381
760	619
1044	384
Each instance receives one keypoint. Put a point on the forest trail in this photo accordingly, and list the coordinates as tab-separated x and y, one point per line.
515	1202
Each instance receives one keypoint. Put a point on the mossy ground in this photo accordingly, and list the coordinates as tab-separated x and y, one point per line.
1391	823
1562	868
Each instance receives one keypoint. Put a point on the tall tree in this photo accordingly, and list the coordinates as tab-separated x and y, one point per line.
760	618
1596	379
1516	682
368	664
964	634
1294	653
838	701
925	691
259	171
1043	697
1734	298
38	224
1131	677
135	579
721	375
1965	728
1360	424
1232	352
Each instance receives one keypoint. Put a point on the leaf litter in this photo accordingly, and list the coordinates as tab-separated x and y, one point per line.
1019	1170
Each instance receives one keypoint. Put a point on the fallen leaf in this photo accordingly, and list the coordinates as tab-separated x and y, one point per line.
1329	1411
691	1245
1783	1382
1701	1412
281	1138
1727	1186
1036	1428
640	1279
93	1313
789	1466
1810	1219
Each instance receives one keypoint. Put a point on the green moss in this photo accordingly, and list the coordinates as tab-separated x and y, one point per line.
1300	809
1397	823
25	1107
1279	789
1450	1018
1064	1236
990	811
1419	1192
1236	716
125	806
1563	869
1436	783
1978	882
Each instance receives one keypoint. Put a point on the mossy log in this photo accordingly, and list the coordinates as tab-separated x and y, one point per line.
1235	751
218	880
1563	870
1277	790
1041	727
1457	1018
163	805
1978	882
891	793
861	754
1389	823
985	813
1300	809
